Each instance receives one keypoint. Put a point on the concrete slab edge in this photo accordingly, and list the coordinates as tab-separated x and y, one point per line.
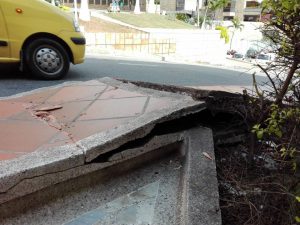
139	128
33	184
200	202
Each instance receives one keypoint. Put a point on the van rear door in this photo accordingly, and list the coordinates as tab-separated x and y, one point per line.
4	44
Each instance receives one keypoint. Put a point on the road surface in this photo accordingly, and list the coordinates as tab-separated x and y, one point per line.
14	82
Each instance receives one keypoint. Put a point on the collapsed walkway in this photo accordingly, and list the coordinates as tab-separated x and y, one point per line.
105	152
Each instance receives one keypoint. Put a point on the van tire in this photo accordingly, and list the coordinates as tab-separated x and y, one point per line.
47	59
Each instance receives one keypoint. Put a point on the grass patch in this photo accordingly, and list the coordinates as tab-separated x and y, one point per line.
150	20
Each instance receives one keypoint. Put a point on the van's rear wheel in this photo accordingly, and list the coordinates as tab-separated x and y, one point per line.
47	59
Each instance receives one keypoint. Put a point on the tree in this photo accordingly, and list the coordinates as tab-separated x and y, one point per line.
84	13
137	9
280	121
224	33
275	110
213	5
151	6
282	30
236	25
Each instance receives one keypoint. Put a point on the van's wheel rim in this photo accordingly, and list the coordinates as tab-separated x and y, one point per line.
49	60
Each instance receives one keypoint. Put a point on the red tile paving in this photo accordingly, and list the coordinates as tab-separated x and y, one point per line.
24	136
77	93
69	110
6	156
115	108
25	116
86	109
38	97
11	108
114	92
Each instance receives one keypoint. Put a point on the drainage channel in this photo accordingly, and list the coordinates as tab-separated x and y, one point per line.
172	184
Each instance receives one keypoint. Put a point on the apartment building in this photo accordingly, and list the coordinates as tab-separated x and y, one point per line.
103	4
252	11
243	9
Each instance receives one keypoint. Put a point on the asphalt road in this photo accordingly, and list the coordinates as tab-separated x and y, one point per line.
14	82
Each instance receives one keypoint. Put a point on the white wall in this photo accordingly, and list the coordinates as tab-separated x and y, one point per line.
195	45
191	5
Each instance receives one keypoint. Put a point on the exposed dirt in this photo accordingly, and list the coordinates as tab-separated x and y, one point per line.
254	194
256	188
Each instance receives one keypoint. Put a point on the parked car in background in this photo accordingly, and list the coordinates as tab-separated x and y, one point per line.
251	53
238	56
41	37
263	58
231	52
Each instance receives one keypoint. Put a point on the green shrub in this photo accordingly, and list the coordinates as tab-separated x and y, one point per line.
224	33
182	17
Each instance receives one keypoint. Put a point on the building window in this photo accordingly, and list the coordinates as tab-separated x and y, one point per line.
179	5
227	8
230	7
226	18
252	4
252	18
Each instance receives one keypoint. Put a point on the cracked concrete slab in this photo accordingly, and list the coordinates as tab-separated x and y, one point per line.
44	168
179	106
16	175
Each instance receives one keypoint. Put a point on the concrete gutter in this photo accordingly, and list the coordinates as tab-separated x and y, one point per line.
41	169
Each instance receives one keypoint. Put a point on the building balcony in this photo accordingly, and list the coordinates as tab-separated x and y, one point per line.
229	9
252	10
252	7
229	14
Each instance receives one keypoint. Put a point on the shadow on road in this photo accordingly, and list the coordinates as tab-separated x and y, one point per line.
11	71
12	81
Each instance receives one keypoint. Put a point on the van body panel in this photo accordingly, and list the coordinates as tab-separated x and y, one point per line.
35	17
78	50
4	47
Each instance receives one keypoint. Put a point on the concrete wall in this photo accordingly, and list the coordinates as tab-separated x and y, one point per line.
193	45
132	42
190	5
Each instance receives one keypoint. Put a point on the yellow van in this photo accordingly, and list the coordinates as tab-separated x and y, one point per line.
40	36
